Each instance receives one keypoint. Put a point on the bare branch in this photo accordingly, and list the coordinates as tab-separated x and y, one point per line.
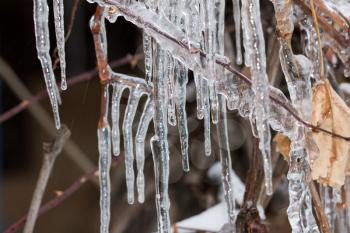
51	152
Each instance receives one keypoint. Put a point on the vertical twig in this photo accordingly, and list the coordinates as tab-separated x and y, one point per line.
248	219
51	151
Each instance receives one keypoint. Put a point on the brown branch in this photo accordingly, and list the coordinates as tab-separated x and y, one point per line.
86	76
59	199
318	208
248	219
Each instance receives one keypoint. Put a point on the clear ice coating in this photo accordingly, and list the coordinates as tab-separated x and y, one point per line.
237	20
58	10
104	148
255	57
140	138
225	159
300	208
116	96
159	143
41	21
176	35
180	90
130	111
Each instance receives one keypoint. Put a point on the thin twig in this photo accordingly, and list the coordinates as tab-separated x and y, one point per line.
86	76
318	208
41	116
51	152
59	199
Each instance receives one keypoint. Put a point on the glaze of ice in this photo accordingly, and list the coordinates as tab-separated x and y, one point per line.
237	20
116	96
41	20
130	111
104	148
147	49
58	10
170	73
225	159
300	208
140	137
255	57
159	143
180	87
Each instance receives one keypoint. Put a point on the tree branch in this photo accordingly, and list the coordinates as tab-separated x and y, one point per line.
51	152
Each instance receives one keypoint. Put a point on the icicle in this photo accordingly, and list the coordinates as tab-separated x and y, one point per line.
171	86
104	147
116	95
159	143
130	111
199	95
237	19
145	120
58	10
225	159
206	114
181	82
147	49
41	18
255	58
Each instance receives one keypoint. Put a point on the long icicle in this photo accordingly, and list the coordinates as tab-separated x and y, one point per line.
255	57
41	20
145	120
104	148
97	26
130	111
159	143
58	10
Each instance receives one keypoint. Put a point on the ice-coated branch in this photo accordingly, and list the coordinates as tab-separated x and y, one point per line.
51	152
175	42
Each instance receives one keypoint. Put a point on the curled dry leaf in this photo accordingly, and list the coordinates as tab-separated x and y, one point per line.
330	112
282	145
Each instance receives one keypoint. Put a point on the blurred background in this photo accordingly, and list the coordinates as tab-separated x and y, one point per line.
22	136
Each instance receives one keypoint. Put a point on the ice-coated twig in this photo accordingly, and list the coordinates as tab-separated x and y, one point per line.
51	152
225	159
140	137
41	20
130	111
58	10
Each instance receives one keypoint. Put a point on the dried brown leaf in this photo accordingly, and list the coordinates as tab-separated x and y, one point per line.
282	145
330	112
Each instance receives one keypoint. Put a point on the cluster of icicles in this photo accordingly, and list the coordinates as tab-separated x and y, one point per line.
183	35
